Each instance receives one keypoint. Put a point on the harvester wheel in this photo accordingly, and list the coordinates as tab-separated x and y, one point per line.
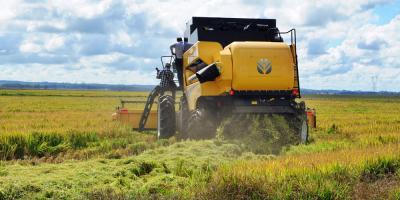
299	124
185	114
302	126
201	125
166	117
304	131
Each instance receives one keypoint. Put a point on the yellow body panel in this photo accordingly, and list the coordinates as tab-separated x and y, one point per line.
209	88
188	73
244	66
193	92
201	50
276	64
224	82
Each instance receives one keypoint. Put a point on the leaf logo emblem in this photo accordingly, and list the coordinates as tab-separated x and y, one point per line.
264	66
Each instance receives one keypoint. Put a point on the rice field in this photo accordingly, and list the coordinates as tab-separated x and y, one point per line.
63	145
35	123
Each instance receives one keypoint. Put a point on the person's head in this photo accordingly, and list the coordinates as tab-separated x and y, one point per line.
179	39
185	39
167	65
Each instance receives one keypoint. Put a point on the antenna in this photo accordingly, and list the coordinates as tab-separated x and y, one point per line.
374	82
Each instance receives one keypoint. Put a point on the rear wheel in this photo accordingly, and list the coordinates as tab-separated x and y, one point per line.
302	126
304	131
299	124
201	125
166	117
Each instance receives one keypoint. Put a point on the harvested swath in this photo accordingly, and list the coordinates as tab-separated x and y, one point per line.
259	133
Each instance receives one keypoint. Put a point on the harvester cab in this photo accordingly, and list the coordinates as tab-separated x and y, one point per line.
235	66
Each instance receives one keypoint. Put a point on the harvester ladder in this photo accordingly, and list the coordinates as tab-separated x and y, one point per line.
296	78
293	49
296	84
149	104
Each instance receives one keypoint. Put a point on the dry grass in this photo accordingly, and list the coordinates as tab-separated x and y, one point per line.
74	152
362	174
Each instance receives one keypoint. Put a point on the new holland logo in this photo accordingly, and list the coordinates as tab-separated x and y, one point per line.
264	66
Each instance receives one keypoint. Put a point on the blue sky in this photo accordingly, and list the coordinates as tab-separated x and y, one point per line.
341	43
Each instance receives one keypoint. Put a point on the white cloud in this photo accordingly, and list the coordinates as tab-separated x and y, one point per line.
369	50
147	60
30	47
54	42
9	9
101	59
82	8
112	39
122	38
170	15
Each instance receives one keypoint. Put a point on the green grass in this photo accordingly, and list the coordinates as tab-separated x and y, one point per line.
78	144
195	170
165	170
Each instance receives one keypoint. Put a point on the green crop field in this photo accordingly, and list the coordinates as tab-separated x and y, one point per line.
63	145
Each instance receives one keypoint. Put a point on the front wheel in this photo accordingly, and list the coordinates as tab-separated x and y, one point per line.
201	125
166	117
182	118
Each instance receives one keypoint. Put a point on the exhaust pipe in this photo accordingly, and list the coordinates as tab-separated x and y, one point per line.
208	73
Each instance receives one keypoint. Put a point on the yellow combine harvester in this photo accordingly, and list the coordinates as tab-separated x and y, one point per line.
235	66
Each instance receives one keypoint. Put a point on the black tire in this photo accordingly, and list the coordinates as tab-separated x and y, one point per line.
161	98
184	108
166	117
304	131
299	124
301	128
201	125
